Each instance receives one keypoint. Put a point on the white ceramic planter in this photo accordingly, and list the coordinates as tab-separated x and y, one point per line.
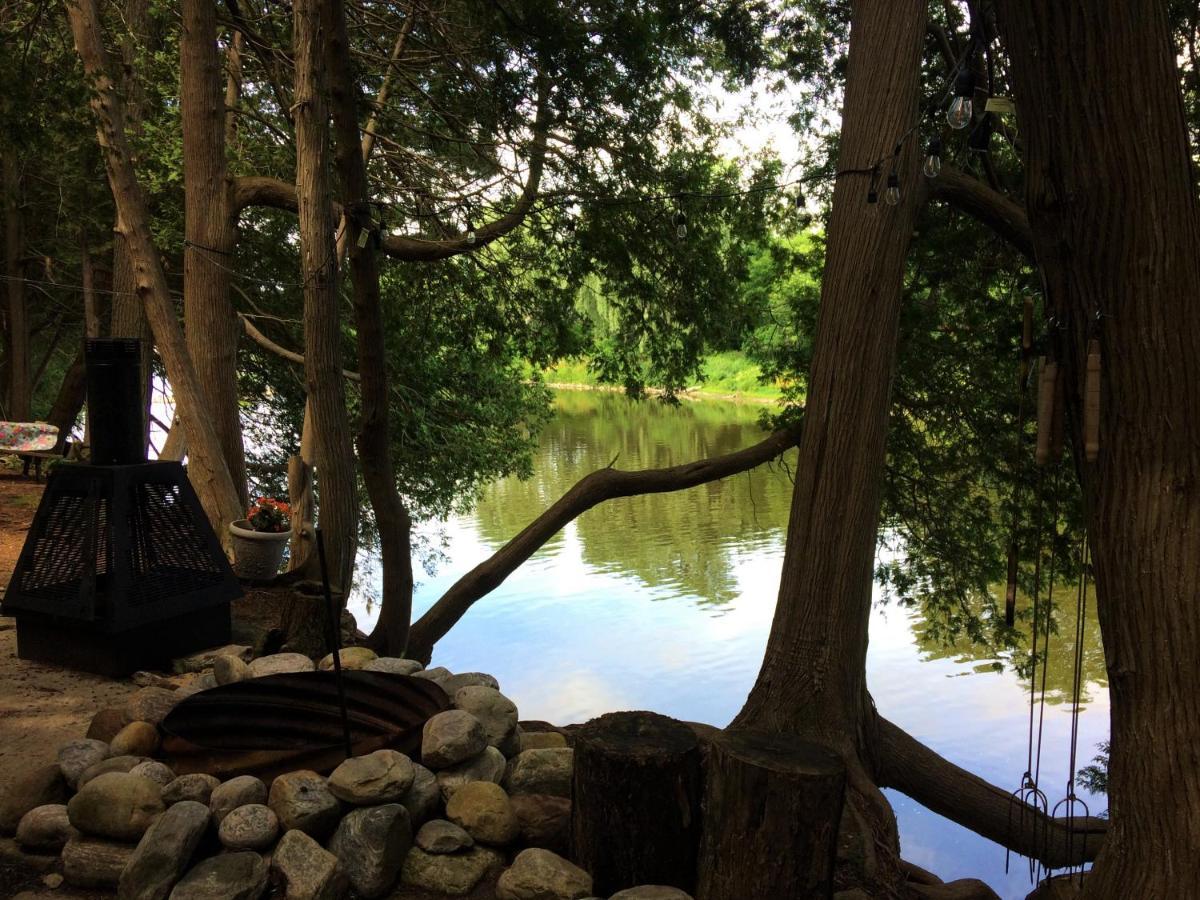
258	553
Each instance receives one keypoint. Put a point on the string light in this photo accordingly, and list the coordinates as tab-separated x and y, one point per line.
958	116
680	225
933	160
892	195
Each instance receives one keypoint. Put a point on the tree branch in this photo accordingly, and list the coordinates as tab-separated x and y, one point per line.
937	784
603	484
976	199
290	355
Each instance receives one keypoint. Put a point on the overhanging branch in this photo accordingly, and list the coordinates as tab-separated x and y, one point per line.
988	206
604	484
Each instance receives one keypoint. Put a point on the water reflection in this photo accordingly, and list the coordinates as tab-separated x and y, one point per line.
664	602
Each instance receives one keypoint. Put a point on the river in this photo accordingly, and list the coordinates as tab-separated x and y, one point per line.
664	602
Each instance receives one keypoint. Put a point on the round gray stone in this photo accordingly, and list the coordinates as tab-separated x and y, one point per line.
250	827
163	853
380	777
303	802
487	766
45	829
496	713
651	892
456	874
541	772
239	791
371	844
159	773
538	874
394	665
230	669
442	836
75	757
451	737
279	663
230	876
424	797
198	787
116	805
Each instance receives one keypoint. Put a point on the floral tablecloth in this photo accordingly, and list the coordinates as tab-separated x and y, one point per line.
27	437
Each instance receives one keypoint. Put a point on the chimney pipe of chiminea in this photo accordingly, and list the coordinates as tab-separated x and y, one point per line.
115	410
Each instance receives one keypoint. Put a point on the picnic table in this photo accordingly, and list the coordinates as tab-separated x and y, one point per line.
32	441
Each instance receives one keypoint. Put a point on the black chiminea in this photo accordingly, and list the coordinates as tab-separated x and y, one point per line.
120	570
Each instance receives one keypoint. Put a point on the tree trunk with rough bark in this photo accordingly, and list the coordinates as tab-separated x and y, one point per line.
1110	192
813	677
390	636
207	471
20	387
128	313
335	476
210	232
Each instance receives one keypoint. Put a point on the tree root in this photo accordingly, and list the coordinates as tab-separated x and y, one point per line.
907	765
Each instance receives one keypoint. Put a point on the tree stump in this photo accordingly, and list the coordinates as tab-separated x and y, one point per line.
635	810
772	807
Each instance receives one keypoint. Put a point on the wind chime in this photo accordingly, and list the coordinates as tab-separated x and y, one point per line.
1029	799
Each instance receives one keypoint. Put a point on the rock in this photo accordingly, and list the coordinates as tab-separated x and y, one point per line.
540	772
52	881
380	777
543	820
152	679
351	658
206	659
451	737
452	684
441	836
393	664
239	791
538	874
112	764
308	871
371	844
496	713
487	766
230	876
198	787
424	797
249	827
228	669
151	704
194	685
163	853
76	756
542	740
159	773
107	723
39	787
484	810
655	892
90	862
116	805
436	674
45	829
455	874
511	745
278	663
135	739
303	802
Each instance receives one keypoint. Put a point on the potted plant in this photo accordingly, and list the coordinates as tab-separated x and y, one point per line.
260	538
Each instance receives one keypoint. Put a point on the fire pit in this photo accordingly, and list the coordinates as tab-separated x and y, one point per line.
120	569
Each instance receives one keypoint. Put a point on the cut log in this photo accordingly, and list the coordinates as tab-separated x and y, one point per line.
636	793
773	804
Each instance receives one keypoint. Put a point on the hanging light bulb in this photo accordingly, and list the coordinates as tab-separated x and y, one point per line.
933	161
800	200
959	114
470	234
892	195
680	225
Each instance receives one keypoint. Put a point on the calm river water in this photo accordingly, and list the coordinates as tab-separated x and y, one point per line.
664	602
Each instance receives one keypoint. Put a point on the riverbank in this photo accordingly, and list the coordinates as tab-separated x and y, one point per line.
729	376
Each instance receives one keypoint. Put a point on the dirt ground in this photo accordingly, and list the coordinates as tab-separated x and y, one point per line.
41	707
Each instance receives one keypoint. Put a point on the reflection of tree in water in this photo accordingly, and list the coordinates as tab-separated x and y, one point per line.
684	539
1060	672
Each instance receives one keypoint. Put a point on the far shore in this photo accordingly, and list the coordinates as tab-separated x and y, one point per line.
693	393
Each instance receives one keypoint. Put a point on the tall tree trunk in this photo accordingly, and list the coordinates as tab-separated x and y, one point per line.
1110	190
813	676
128	314
20	388
207	471
211	326
374	452
72	393
337	496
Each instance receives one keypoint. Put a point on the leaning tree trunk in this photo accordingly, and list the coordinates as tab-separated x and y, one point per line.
813	675
338	502
1111	197
210	324
390	636
207	471
128	314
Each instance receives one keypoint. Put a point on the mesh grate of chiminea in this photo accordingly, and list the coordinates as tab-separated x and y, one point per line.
120	570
